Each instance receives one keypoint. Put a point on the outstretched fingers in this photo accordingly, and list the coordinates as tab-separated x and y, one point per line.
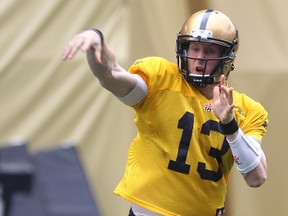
83	41
227	93
72	47
223	101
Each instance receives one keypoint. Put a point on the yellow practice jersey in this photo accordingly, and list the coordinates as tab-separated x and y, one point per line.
179	162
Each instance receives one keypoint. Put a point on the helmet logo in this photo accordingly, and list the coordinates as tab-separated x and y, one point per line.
208	107
200	33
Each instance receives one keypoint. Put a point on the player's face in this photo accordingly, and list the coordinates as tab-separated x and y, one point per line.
203	51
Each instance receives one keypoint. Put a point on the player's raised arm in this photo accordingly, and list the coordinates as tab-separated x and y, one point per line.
102	62
247	152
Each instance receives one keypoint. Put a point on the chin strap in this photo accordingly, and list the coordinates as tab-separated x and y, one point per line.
202	81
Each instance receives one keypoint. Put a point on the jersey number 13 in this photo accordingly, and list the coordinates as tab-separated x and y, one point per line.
179	165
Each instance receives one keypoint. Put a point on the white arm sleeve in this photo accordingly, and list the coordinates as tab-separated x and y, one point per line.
246	151
137	94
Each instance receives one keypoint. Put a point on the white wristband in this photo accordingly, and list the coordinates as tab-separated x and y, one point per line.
137	94
246	152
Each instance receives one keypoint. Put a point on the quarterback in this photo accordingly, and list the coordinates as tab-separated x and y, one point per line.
192	126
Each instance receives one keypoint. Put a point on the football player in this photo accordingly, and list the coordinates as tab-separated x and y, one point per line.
192	126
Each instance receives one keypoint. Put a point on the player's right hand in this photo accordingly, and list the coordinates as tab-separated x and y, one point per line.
83	41
223	101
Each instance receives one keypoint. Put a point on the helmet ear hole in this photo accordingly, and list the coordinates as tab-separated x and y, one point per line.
181	55
232	67
184	65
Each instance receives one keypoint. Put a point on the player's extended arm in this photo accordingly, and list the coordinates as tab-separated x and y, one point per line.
102	62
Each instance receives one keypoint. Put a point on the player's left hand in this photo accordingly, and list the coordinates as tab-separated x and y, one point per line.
223	101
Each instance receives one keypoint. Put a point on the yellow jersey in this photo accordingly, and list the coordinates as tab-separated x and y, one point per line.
179	162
